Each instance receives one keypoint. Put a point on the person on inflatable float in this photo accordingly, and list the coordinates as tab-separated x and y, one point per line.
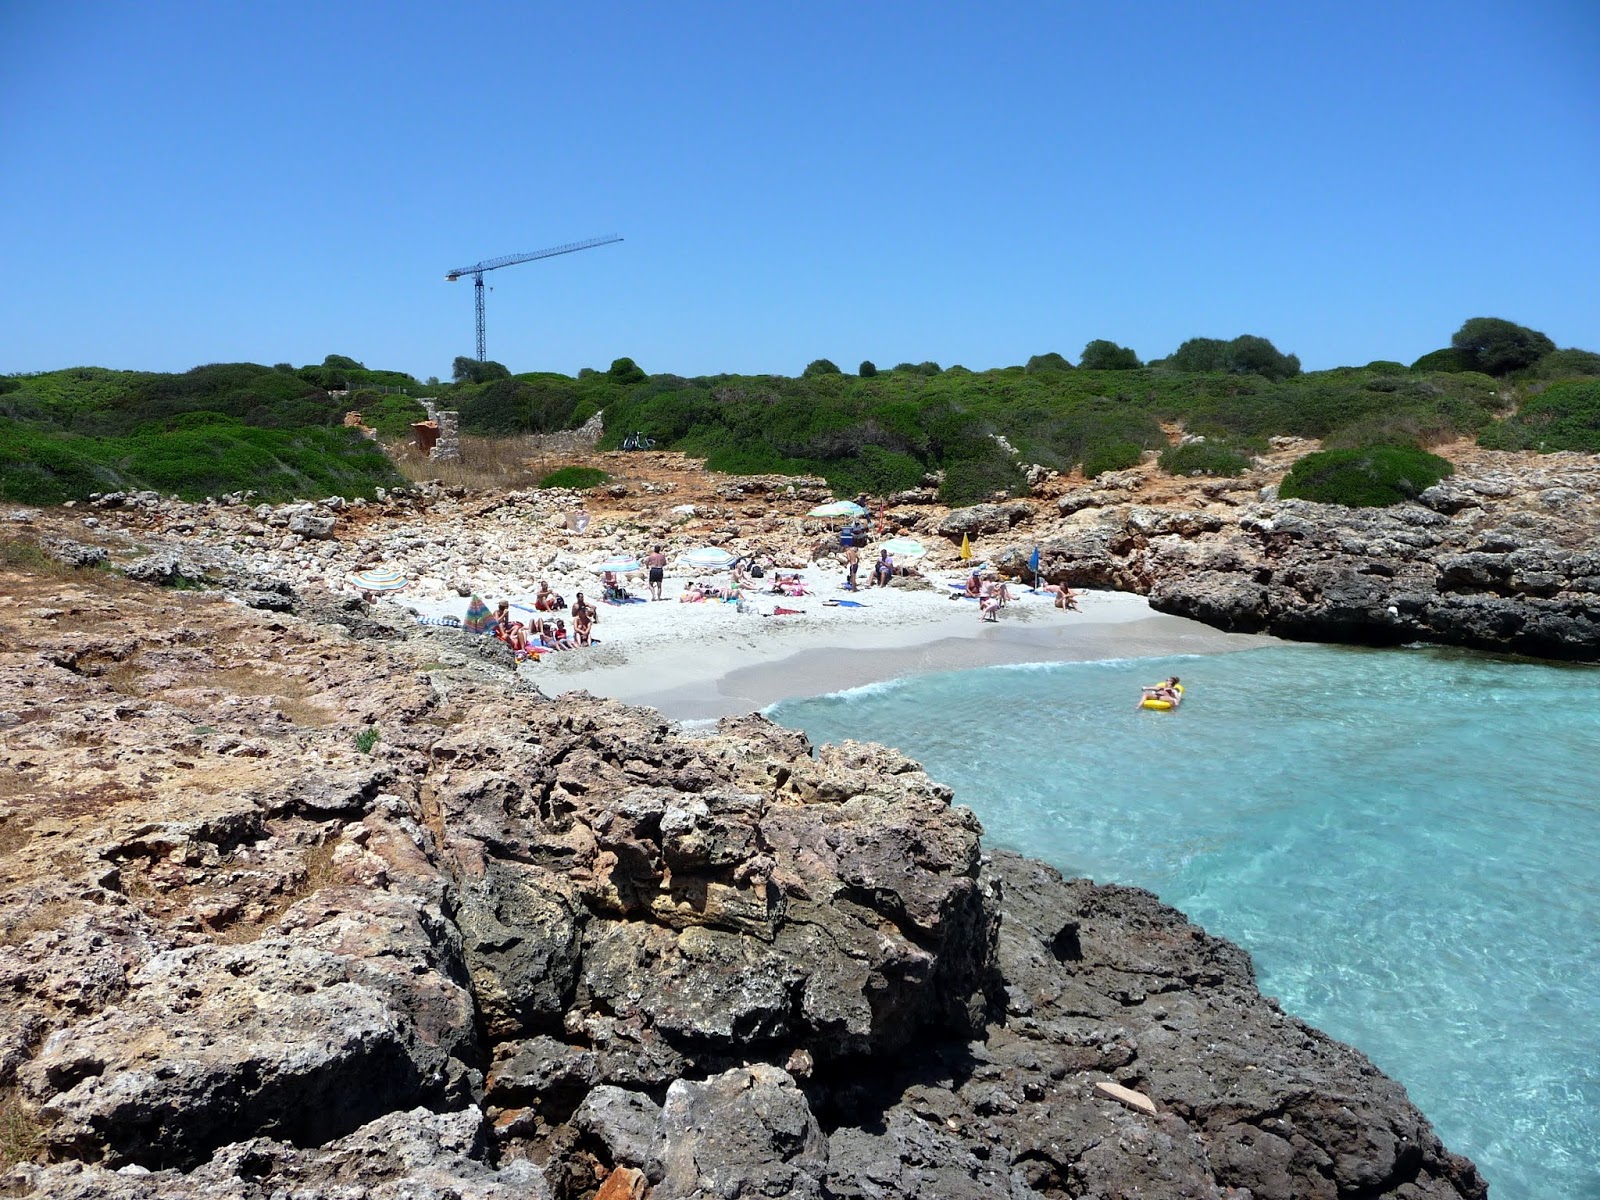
1167	690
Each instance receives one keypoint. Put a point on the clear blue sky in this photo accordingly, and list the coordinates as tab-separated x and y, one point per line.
970	183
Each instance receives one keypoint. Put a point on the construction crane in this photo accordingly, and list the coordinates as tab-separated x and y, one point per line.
511	260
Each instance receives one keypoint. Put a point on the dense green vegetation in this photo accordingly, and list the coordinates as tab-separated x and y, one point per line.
216	429
1565	416
574	477
1209	457
1373	477
229	426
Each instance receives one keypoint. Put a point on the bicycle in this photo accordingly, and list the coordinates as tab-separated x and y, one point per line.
638	441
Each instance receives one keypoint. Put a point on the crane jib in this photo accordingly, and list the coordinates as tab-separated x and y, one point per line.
511	260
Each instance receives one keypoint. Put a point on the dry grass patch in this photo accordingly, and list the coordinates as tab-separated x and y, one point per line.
486	464
49	915
291	695
317	874
21	1131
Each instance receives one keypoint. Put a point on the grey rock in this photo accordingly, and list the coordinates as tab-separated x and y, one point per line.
744	1133
984	518
624	1122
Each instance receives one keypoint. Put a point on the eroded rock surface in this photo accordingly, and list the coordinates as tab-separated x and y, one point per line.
287	911
1501	556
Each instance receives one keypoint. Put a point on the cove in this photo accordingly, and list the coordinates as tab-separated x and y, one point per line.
1404	840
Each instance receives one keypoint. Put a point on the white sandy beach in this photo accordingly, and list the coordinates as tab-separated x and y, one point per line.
702	660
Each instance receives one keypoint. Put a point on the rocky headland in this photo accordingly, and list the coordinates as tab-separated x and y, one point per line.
289	910
299	900
1502	556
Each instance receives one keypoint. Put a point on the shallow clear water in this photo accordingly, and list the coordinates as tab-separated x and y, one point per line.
1405	840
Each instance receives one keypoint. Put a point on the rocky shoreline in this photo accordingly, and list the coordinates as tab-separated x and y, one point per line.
1500	557
303	903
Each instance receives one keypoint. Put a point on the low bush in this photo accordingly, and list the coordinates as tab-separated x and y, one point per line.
976	480
1111	456
574	477
1565	416
41	466
1204	458
1369	477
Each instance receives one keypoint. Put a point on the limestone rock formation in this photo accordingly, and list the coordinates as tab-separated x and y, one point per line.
290	910
1493	558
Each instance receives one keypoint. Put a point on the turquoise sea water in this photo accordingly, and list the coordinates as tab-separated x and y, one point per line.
1407	842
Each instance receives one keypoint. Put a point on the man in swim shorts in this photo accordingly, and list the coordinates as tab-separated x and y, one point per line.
656	563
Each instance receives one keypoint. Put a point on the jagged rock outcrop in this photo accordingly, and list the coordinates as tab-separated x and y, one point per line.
1491	559
282	912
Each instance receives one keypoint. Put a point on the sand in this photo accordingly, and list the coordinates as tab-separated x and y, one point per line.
705	660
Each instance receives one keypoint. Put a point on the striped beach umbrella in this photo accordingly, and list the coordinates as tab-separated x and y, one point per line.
479	618
379	579
617	564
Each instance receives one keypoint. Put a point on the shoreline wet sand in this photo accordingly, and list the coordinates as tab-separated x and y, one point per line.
709	674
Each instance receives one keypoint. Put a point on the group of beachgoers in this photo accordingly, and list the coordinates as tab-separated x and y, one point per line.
545	632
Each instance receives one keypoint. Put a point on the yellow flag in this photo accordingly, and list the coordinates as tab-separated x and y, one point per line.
966	548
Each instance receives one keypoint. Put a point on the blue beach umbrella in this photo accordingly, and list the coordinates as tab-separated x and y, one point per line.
618	564
1033	565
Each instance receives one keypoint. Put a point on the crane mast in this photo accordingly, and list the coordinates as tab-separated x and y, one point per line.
511	260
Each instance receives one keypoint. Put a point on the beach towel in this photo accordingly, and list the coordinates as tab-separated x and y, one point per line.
443	622
624	600
479	618
843	604
780	611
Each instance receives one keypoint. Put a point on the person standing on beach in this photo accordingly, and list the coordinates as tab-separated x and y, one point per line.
656	563
852	563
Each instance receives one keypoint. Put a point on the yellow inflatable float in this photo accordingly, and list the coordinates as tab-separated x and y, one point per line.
1157	704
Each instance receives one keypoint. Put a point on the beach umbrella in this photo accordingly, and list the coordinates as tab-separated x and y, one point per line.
966	548
378	579
1033	565
479	619
710	558
618	564
839	508
904	547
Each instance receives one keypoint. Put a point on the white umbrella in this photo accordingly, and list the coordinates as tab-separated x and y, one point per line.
617	564
839	508
904	547
710	558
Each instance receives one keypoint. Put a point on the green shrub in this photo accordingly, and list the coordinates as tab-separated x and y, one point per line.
1050	361
367	739
574	477
1496	346
42	466
1370	477
1557	364
819	366
977	480
1204	458
1111	456
391	416
1101	355
1565	416
1448	359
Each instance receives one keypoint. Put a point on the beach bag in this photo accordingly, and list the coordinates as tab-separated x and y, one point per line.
757	571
